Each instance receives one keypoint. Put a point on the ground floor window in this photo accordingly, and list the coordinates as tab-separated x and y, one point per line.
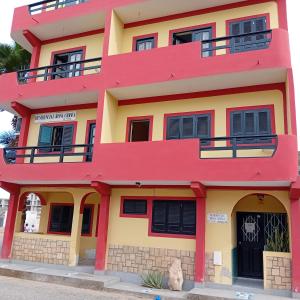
174	217
60	220
134	207
87	220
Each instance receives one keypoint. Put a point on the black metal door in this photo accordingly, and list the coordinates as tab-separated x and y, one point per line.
250	244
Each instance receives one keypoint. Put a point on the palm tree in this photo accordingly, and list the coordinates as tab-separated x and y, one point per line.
13	57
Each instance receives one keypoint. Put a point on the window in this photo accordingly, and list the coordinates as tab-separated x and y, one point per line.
251	42
91	140
69	70
134	207
87	220
189	126
55	136
193	36
145	44
174	217
61	216
250	122
139	131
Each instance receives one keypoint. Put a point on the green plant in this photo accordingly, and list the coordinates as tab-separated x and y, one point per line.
153	280
279	242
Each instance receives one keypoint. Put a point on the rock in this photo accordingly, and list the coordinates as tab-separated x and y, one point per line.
175	276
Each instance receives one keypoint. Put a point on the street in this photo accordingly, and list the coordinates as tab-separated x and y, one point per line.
18	289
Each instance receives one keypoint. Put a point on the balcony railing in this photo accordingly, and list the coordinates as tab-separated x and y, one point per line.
58	71
14	155
47	5
237	43
252	146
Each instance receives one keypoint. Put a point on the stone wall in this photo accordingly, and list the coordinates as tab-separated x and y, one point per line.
277	271
209	267
41	250
141	260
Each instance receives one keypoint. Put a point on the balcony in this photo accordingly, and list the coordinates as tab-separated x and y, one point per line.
59	71
164	162
184	69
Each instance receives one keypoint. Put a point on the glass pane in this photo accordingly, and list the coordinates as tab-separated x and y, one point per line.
249	123
188	127
57	136
173	212
247	28
173	128
202	126
148	45
189	213
263	124
236	124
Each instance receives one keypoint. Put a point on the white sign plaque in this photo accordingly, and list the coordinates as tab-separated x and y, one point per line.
250	227
217	218
55	117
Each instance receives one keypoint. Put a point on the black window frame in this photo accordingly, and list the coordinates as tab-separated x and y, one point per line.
161	209
235	132
89	224
195	117
65	138
68	224
144	40
249	43
133	210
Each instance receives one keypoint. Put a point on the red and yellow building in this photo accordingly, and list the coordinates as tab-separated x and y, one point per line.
153	130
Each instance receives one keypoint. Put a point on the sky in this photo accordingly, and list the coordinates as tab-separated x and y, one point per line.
6	15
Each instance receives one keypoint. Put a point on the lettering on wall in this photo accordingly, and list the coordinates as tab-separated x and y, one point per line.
55	117
217	218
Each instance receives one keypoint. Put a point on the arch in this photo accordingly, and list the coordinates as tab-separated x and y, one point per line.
84	199
23	197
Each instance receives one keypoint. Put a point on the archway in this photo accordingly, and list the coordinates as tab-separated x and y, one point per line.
259	223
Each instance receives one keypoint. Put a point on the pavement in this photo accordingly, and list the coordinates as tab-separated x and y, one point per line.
19	289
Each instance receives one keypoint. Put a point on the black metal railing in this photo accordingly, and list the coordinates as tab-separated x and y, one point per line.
12	154
43	6
65	70
238	43
236	144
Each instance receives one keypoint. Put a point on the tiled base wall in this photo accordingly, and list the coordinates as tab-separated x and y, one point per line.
209	267
278	271
41	250
141	260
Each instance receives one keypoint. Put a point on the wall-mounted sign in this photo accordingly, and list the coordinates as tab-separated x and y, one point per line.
55	117
217	218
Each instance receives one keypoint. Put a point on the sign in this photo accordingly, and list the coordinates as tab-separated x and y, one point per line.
250	227
217	218
55	117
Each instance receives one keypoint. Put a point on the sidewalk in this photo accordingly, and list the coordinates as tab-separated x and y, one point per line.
84	278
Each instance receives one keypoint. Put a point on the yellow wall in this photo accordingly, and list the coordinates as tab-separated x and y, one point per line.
288	106
220	18
116	35
116	131
82	116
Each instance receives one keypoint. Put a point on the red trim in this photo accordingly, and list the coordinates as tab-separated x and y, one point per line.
140	118
195	13
201	112
250	188
91	221
195	27
73	36
282	13
145	36
50	216
256	107
74	123
222	92
292	101
107	31
123	215
64	108
24	196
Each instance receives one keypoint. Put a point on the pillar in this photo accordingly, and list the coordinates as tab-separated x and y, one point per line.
75	234
14	191
101	245
200	193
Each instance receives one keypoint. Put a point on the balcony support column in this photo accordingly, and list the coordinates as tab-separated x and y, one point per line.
104	191
14	191
295	236
200	193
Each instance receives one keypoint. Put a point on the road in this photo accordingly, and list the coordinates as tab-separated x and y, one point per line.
18	289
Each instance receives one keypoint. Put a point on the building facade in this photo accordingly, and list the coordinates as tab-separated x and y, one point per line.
154	130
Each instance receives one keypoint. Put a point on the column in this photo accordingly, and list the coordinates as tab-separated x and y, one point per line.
75	234
10	222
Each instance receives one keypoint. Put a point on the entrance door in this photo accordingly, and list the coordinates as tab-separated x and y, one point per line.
250	244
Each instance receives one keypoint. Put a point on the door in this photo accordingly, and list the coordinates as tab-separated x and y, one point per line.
91	140
203	35
250	244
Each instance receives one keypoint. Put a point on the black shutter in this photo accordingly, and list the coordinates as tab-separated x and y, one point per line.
159	215
86	220
173	128
236	123
187	127
45	138
189	217
173	216
68	137
135	207
235	43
